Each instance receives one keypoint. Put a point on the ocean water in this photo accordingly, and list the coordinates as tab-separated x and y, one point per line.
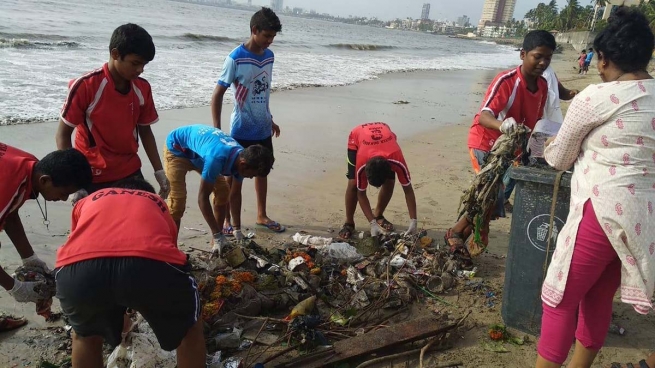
46	43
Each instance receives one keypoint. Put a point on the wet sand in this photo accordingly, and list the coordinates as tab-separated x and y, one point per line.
307	185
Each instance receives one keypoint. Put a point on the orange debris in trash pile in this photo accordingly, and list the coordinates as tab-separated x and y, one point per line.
223	288
210	309
308	260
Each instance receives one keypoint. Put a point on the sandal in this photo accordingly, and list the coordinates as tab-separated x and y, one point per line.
347	231
386	225
273	226
457	248
228	231
9	323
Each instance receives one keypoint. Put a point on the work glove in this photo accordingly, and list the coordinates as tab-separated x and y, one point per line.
413	227
26	291
78	195
36	262
218	243
376	229
508	126
164	184
238	235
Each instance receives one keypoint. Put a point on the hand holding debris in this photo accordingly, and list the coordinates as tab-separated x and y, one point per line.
34	261
508	126
413	227
376	229
238	235
29	291
78	195
218	243
164	184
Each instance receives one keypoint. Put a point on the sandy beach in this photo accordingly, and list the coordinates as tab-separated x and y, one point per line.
307	185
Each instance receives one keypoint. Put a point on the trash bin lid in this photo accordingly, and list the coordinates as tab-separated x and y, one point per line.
539	175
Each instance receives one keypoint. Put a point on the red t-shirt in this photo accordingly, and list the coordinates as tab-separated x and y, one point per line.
94	105
16	179
118	222
508	97
377	139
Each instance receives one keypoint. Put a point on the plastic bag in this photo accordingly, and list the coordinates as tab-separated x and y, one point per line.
311	240
141	350
340	253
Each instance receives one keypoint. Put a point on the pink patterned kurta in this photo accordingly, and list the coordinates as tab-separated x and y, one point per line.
609	134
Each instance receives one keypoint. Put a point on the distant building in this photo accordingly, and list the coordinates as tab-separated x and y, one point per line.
496	12
425	13
463	21
277	5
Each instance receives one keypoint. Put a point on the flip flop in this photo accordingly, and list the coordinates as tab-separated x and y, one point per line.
347	231
273	226
228	231
386	225
8	323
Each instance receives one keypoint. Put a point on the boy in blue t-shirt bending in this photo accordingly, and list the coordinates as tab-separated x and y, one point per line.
248	71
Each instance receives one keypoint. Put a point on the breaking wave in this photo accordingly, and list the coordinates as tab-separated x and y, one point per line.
205	38
21	43
360	47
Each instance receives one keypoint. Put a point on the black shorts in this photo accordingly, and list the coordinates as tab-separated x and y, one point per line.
95	294
94	187
351	161
268	143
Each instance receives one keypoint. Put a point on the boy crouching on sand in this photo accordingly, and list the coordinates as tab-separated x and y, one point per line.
516	96
215	156
375	157
122	253
111	109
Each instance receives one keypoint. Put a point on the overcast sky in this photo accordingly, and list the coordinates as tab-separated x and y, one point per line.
389	9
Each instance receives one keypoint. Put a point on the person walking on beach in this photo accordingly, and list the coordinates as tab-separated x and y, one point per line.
375	157
608	137
588	58
516	96
110	109
216	156
581	60
248	71
116	259
55	177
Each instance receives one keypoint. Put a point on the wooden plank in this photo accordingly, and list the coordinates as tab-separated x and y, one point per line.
376	341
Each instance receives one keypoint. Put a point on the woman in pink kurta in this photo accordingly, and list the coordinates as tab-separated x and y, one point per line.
608	242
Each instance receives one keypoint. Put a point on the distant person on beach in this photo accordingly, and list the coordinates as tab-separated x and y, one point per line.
55	177
516	96
587	62
374	157
111	109
248	71
581	60
606	243
215	156
122	253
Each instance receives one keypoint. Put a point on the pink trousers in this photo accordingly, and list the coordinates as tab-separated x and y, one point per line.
585	312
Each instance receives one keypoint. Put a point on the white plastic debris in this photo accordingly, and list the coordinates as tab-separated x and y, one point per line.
341	253
311	240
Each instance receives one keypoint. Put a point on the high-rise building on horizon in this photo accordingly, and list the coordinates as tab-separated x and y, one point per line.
277	5
425	13
496	12
463	21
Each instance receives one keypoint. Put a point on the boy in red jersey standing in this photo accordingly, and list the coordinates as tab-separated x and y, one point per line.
111	108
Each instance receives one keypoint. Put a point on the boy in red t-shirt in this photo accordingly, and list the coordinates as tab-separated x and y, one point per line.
111	108
116	259
374	157
54	177
516	96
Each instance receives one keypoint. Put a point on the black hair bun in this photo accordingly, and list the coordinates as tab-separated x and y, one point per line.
625	16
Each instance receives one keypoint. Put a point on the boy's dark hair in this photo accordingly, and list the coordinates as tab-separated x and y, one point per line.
135	183
132	39
258	158
534	39
590	49
627	41
378	170
266	20
66	168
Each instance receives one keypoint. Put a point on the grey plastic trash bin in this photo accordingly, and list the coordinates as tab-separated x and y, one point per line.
524	271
